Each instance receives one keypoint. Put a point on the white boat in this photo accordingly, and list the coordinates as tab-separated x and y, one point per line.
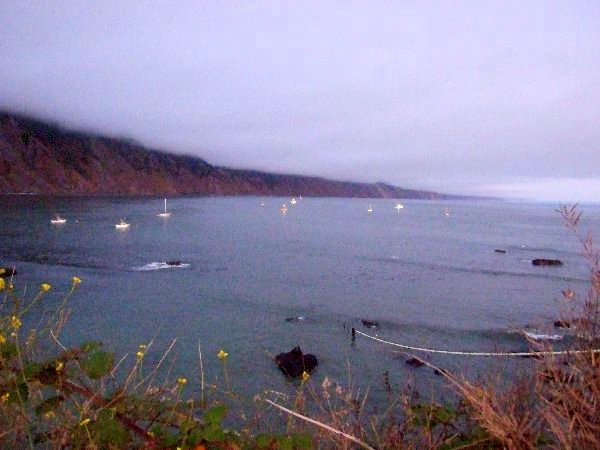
447	211
293	201
399	206
164	214
370	209
58	220
122	225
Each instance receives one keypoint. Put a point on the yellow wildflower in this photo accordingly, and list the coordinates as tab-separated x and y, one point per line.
2	283
84	422
4	397
222	354
49	415
139	355
45	287
2	338
143	347
59	366
181	381
2	271
305	375
76	280
15	322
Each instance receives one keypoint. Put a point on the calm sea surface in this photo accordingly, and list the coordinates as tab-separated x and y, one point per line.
428	278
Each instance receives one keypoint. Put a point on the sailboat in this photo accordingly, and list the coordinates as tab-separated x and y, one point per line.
58	220
370	209
122	225
399	206
164	214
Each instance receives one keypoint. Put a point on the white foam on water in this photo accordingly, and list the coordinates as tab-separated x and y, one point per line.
538	336
159	266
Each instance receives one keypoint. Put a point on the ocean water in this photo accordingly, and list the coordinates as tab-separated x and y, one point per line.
429	279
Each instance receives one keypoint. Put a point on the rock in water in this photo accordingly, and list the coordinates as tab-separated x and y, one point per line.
498	250
293	363
562	324
174	263
415	362
546	262
370	323
7	272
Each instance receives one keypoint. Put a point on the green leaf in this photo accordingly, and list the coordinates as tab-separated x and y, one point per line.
22	390
263	440
444	415
194	437
97	364
302	441
213	433
109	432
49	404
215	414
285	442
8	350
90	346
31	370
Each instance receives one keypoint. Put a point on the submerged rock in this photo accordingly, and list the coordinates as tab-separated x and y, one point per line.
546	262
294	319
7	272
294	362
370	323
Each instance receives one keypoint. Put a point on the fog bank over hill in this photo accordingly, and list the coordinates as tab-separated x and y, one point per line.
43	158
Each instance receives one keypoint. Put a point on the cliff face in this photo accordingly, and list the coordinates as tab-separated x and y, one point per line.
45	159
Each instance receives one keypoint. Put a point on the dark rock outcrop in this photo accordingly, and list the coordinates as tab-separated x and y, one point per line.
370	323
500	250
174	263
6	272
546	262
415	362
293	363
562	324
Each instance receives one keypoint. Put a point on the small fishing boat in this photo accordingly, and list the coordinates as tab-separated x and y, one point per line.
164	214
58	220
293	201
399	206
447	211
122	225
370	209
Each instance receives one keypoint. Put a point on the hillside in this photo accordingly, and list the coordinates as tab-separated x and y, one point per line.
42	158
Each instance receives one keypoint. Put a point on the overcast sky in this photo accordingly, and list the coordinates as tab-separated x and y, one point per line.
496	98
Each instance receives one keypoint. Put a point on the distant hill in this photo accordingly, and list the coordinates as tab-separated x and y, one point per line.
43	158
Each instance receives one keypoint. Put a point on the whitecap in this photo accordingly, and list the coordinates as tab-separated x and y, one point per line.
159	266
538	336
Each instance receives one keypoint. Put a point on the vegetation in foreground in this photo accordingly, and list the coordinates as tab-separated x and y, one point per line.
52	396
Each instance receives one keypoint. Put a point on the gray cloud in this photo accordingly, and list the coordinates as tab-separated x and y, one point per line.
473	97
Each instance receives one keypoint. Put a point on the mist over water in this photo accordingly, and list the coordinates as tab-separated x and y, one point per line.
429	279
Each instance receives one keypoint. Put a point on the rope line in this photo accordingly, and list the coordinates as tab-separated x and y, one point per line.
454	352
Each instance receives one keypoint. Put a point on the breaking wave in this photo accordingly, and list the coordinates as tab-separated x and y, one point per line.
160	265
